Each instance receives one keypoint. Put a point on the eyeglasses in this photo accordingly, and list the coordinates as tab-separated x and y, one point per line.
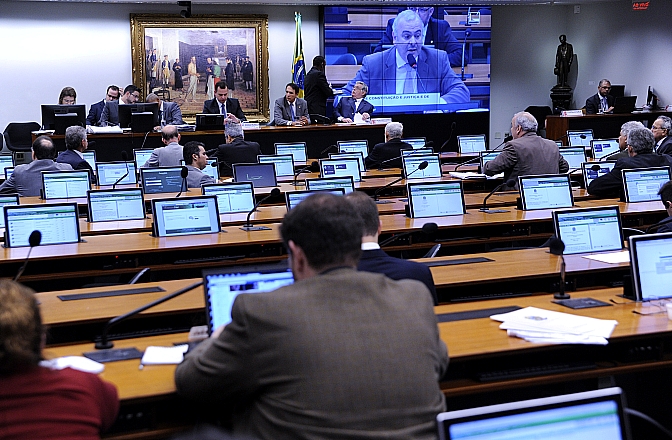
418	10
656	128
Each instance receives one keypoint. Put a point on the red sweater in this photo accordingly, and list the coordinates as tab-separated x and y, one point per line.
56	404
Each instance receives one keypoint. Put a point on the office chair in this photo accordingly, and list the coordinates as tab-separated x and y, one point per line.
540	112
19	140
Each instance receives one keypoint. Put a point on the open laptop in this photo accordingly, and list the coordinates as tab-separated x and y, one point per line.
284	163
296	149
642	184
435	199
161	180
65	184
411	163
185	216
546	191
58	223
651	266
579	138
589	174
415	142
293	198
141	156
110	172
341	168
624	104
7	200
574	156
589	229
353	147
261	175
598	414
357	155
231	197
604	147
115	204
210	121
345	182
471	144
223	285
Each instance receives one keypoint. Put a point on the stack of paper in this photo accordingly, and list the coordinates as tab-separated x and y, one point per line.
164	355
546	326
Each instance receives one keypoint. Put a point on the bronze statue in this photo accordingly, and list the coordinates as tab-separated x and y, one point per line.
563	61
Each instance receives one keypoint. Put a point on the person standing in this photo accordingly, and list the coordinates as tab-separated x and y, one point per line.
209	79
193	79
230	78
177	68
317	88
165	69
247	70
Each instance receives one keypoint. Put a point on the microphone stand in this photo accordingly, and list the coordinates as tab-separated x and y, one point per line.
557	247
509	183
295	182
124	157
248	226
450	136
183	187
507	138
422	166
467	33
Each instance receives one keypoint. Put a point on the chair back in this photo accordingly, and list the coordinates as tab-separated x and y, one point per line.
18	135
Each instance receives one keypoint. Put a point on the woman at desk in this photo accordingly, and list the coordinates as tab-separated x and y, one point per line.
37	401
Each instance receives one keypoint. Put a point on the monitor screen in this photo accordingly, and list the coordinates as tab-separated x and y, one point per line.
604	147
212	170
435	199
7	199
296	149
589	174
161	180
340	168
651	265
90	158
345	182
116	204
353	147
59	117
65	184
6	161
293	198
141	156
642	184
208	121
589	229
140	117
487	156
187	216
412	162
415	142
471	144
356	155
109	173
8	172
580	138
231	197
284	163
260	174
574	156
57	222
545	192
417	151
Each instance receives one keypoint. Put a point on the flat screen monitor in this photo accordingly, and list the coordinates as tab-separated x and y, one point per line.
161	180
141	156
574	156
208	122
412	162
222	286
549	191
487	156
417	151
651	265
185	216
341	168
558	143
59	117
65	184
140	117
604	147
7	200
107	205
625	104
293	198
296	149
232	197
8	172
356	155
471	144
589	174
345	182
579	138
6	160
109	173
284	163
58	223
212	170
90	158
261	175
415	142
589	229
353	147
435	199
642	184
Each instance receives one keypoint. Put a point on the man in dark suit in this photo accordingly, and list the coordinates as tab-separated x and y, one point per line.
315	359
317	88
602	101
661	128
291	110
665	194
169	112
96	110
623	139
224	105
76	143
374	259
236	149
640	150
388	152
110	115
350	105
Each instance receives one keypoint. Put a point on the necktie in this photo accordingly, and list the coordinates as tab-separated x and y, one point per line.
604	103
410	80
291	109
224	108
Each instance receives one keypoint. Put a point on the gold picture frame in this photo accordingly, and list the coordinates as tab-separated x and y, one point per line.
212	40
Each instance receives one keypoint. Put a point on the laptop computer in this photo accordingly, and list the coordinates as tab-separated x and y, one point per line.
65	184
415	142
642	184
115	204
261	175
232	197
574	156
110	172
357	155
353	147
284	163
589	229
471	144
604	147
345	182
624	104
296	149
293	198
5	200
589	174
58	223
161	180
546	191
185	216
579	138
435	199
341	168
651	265
411	163
207	121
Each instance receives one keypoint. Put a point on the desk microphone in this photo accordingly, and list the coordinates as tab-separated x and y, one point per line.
611	154
414	65
593	168
565	136
184	172
507	138
557	247
124	157
314	167
275	192
410	153
450	136
422	166
427	229
508	184
34	240
326	149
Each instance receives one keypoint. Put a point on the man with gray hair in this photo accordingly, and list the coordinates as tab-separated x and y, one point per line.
236	149
388	153
640	155
169	112
171	154
350	105
527	153
661	128
602	101
76	143
623	140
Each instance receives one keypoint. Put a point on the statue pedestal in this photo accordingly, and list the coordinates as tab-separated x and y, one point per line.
561	97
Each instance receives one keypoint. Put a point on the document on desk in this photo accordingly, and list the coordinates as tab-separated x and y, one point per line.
611	257
470	175
164	355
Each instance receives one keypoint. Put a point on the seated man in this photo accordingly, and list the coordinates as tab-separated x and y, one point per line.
527	153
623	139
169	112
195	159
661	128
374	259
76	143
316	359
171	154
641	155
291	110
222	104
389	152
665	193
602	101
110	114
349	105
236	149
96	110
26	180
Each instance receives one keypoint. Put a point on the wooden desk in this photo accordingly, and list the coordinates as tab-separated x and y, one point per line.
603	126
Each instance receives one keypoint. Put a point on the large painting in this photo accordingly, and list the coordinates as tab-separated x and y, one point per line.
182	59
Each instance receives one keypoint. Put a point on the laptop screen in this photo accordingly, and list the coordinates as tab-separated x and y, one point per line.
413	161
471	144
187	216
353	147
222	286
57	222
293	198
642	184
357	155
6	161
296	149
651	265
417	151
487	156
580	138
90	158
545	192
161	180
141	156
232	197
65	184
435	199
589	229
589	174
8	172
284	163
260	174
415	142
7	199
212	170
340	168
574	156
116	204
345	182
109	172
604	147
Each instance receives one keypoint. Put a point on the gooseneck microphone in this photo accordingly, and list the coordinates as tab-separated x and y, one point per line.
124	157
507	138
184	172
450	136
557	247
508	184
414	65
593	168
313	168
421	166
467	33
34	239
427	229
275	192
611	154
327	149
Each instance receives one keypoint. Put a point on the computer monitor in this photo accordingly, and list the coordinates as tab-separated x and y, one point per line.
341	168
415	142
651	98
548	191
161	180
625	104
212	169
435	199
58	223
486	156
8	172
293	198
6	160
210	122
7	200
589	174
232	197
58	117
284	163
185	216
651	265
141	156
261	175
471	144
140	117
353	147
604	147
424	150
574	156
296	149
642	184
90	158
589	229
109	173
115	204
65	184
579	138
357	155
411	163
345	182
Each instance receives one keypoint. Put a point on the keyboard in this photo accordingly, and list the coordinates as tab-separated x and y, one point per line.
539	370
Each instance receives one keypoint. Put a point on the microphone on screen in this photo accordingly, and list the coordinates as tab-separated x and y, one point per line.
508	184
557	247
34	240
275	192
414	65
124	157
184	172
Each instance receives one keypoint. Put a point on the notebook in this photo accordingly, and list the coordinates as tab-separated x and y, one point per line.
284	163
642	184
341	168
222	286
110	172
589	229
231	197
471	144
115	204
358	155
412	162
579	138
260	174
345	182
548	191
353	147
58	223
604	147
574	156
589	175
651	265
65	184
185	216
293	198
296	149
141	156
435	199
161	180
415	142
5	200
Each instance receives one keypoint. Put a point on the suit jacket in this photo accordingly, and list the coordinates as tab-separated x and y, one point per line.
667	227
211	106
527	155
168	156
110	114
26	180
317	91
76	162
386	151
376	260
346	108
665	146
172	115
95	112
282	115
611	184
593	104
379	72
315	360
238	151
196	178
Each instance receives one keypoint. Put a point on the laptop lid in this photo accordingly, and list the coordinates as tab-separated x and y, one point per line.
589	174
141	156
548	191
223	285
624	104
260	174
353	147
65	184
604	147
284	163
598	414
589	229
296	149
185	216
232	197
115	204
210	121
411	163
574	156
341	168
7	200
345	182
357	155
161	180
651	265
471	143
8	172
422	150
415	142
211	169
6	161
293	198
110	172
642	184
579	138
58	223
435	199
487	156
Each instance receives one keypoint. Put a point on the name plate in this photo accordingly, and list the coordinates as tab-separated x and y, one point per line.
250	126
572	113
